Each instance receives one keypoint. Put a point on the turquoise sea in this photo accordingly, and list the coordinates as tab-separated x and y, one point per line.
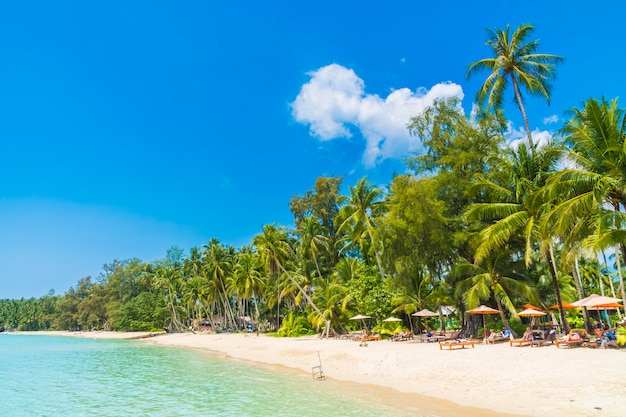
65	376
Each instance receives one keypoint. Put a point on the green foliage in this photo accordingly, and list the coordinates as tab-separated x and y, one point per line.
294	326
370	295
143	313
517	326
621	336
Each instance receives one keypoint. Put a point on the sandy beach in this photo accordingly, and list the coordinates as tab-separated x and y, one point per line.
489	380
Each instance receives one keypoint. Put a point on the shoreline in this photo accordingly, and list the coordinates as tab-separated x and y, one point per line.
489	380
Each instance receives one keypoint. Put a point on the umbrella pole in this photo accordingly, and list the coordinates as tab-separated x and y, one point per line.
484	327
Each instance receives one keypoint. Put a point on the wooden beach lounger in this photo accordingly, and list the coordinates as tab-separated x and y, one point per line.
452	344
495	340
570	343
520	342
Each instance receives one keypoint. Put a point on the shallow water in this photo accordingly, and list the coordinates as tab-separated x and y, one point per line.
64	376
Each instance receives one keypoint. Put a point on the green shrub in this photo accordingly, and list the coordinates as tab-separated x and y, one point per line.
294	326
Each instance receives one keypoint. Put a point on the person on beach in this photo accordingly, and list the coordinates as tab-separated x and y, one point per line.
494	335
572	336
528	334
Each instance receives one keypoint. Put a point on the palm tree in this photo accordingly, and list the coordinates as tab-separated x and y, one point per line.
494	278
519	208
168	278
274	249
515	61
218	269
312	240
248	282
593	193
358	217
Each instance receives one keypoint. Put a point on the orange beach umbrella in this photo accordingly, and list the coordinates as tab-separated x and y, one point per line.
530	312
483	310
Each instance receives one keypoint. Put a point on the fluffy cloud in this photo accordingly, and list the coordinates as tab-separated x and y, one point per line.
516	136
551	120
335	105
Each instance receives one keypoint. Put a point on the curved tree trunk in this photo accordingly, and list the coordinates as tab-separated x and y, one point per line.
557	290
522	109
305	295
579	289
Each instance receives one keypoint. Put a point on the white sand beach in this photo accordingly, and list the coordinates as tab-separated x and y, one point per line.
489	380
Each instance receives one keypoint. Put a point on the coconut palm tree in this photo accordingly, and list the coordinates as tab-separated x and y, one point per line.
247	281
357	218
275	250
593	192
516	63
313	243
218	269
519	208
494	278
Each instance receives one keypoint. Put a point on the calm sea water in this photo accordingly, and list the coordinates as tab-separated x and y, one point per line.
64	376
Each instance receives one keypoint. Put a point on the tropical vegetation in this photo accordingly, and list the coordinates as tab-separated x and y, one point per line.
475	219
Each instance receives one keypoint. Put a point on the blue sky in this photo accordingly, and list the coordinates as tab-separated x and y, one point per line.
130	127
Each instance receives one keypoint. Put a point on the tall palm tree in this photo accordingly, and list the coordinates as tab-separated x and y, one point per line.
593	192
358	218
247	278
218	269
312	241
519	208
275	250
515	62
168	278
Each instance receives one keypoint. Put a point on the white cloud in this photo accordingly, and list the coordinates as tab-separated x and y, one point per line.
334	103
516	136
551	119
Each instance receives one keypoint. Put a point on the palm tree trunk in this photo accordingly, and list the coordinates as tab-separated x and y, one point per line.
579	289
522	109
378	261
502	316
557	290
619	272
606	264
306	296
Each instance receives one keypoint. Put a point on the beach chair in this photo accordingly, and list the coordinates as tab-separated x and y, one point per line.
569	343
456	343
549	340
519	342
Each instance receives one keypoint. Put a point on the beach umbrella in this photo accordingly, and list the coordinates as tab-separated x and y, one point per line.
566	306
595	300
599	302
390	319
532	313
483	310
361	317
528	305
425	313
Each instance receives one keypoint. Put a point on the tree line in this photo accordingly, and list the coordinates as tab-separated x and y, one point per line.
474	220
